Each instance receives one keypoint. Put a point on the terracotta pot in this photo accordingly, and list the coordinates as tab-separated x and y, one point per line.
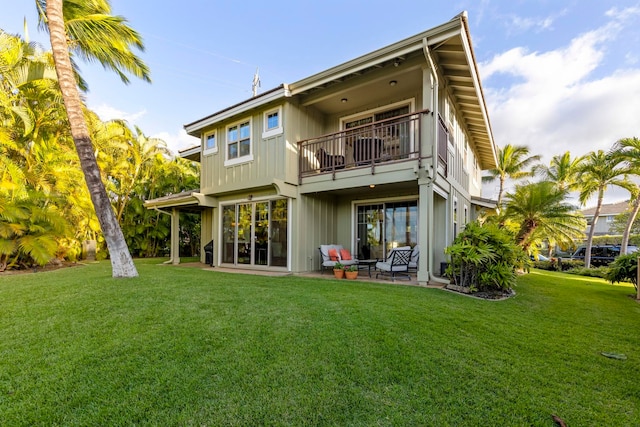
351	274
338	273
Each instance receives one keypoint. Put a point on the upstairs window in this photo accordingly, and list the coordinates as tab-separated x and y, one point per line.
239	143
210	143
272	123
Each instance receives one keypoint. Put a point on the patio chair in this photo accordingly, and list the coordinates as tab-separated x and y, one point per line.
397	264
415	256
326	260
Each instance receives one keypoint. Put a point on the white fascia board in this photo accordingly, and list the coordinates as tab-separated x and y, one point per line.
190	151
478	87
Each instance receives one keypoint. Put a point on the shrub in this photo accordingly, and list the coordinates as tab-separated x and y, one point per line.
571	264
485	257
550	265
600	272
624	269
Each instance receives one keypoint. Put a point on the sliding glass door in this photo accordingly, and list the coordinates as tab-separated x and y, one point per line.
383	226
255	233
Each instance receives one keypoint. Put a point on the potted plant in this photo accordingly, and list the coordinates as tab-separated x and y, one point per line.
351	272
338	270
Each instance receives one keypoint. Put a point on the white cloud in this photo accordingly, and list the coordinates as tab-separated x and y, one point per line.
177	141
107	112
554	102
519	24
623	14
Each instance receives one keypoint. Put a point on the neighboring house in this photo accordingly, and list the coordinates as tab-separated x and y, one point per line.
607	213
382	151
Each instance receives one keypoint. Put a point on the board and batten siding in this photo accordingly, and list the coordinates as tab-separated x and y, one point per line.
272	159
317	218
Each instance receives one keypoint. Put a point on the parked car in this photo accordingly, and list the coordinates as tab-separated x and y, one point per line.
601	254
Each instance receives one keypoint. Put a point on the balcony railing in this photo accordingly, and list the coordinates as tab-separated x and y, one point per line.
365	146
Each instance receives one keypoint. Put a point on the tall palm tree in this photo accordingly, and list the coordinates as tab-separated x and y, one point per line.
92	33
599	171
542	212
513	161
563	170
628	149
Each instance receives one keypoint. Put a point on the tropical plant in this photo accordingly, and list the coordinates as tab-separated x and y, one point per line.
35	173
599	171
562	170
628	149
91	32
513	161
485	257
624	269
542	214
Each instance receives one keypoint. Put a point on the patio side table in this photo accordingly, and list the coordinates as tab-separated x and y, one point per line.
368	263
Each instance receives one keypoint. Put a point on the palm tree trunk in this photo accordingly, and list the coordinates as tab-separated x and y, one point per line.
500	191
526	230
627	230
592	230
121	261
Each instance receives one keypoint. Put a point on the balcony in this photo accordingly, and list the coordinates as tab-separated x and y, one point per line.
364	146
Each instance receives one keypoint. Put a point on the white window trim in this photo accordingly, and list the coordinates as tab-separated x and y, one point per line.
242	159
267	133
213	150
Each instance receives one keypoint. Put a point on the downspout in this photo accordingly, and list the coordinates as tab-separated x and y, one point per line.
434	158
433	108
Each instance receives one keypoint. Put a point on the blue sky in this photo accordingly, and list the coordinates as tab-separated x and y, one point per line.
558	75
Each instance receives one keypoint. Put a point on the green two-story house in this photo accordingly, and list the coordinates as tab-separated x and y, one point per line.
383	151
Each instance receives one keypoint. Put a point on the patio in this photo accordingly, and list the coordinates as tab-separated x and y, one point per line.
363	276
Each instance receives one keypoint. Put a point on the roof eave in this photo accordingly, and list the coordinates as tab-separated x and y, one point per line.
195	128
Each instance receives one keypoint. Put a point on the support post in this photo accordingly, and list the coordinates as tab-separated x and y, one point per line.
175	236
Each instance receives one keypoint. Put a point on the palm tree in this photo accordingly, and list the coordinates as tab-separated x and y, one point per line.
512	162
542	212
628	149
563	170
599	171
93	33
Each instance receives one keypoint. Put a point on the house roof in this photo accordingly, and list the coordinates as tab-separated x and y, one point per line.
191	153
195	128
448	44
191	199
608	209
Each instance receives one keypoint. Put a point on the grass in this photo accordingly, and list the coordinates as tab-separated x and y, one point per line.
181	346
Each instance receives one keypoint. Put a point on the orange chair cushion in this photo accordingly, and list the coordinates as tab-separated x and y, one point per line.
345	254
333	255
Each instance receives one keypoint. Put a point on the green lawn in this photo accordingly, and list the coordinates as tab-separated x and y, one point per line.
181	346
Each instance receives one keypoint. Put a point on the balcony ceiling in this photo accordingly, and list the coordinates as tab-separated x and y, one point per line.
365	81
